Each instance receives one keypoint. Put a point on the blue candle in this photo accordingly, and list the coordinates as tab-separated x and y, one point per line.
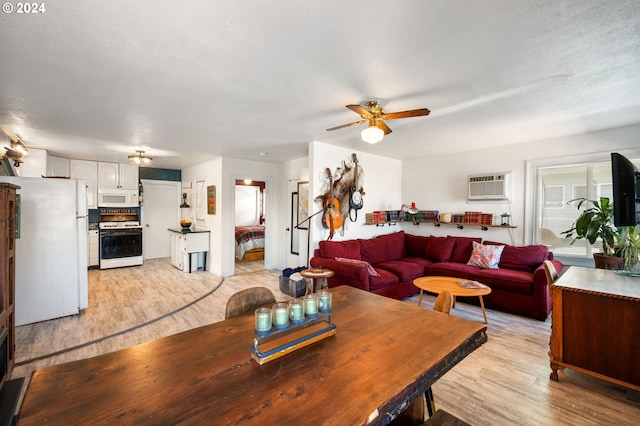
296	308
280	315
263	319
324	298
311	305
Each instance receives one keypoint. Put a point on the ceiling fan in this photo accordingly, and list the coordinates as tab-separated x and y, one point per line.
375	115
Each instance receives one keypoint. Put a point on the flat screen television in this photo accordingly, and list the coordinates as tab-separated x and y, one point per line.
626	191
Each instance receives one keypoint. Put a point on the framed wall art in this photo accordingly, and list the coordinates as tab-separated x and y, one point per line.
303	204
211	199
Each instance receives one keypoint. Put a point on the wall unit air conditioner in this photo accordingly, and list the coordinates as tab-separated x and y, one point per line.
489	186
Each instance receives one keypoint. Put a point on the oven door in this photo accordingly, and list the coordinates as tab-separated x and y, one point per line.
120	247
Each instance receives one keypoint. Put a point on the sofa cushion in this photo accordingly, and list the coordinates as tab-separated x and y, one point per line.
508	280
524	258
419	260
394	245
485	255
384	279
451	269
373	251
439	249
415	245
332	249
405	271
462	248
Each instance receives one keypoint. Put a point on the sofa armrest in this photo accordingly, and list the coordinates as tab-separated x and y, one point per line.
541	294
343	273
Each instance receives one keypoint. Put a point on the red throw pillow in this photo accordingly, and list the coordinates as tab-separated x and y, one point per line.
522	258
394	245
462	248
439	249
416	245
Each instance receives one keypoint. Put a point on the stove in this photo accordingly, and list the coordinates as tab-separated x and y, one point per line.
120	237
120	225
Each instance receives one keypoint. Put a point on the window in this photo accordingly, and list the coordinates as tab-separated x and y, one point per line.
557	184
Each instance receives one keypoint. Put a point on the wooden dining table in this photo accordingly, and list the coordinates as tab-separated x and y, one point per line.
384	355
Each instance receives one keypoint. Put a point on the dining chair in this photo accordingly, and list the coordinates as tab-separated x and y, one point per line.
247	300
444	302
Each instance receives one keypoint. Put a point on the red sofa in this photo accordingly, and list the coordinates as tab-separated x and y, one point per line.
388	264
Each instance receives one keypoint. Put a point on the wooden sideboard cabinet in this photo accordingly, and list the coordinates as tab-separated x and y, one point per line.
8	205
9	389
595	325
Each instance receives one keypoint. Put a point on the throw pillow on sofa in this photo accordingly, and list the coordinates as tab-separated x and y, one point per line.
439	249
462	248
370	270
522	258
485	256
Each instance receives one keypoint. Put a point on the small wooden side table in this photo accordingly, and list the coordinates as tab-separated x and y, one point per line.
435	284
318	274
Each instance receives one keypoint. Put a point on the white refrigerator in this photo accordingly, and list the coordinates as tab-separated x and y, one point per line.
51	249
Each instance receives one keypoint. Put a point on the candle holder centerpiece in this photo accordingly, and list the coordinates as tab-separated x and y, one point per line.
286	327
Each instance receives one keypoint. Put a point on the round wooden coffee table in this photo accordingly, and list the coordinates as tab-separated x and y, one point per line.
318	274
437	284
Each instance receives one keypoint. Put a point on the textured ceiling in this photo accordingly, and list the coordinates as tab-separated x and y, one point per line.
190	81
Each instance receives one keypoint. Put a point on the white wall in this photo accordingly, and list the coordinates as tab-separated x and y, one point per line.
233	169
439	182
289	174
247	209
381	181
211	173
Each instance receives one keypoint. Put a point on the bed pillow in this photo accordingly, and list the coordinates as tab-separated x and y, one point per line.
485	256
370	270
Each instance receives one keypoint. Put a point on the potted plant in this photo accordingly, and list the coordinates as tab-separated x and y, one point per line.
620	246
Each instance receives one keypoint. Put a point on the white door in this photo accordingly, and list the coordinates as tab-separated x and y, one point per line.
296	238
160	211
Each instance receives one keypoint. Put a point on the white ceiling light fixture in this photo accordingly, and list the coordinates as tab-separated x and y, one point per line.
140	158
372	134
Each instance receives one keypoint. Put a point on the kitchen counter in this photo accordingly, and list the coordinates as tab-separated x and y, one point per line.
189	248
188	231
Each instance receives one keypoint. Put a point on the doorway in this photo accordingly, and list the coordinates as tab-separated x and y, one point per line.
160	211
249	221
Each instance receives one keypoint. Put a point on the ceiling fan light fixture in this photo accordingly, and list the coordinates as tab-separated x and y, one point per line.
140	159
372	134
20	147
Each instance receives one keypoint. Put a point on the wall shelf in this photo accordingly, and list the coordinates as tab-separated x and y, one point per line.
457	225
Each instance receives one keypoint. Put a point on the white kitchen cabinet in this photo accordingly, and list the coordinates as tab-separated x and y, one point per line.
93	253
188	249
87	170
57	166
117	176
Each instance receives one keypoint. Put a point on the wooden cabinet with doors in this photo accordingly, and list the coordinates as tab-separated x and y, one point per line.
8	206
87	170
117	176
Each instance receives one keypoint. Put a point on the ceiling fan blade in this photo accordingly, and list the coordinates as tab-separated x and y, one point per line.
347	125
382	125
360	110
406	114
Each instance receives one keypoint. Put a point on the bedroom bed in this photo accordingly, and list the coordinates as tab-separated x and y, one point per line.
249	243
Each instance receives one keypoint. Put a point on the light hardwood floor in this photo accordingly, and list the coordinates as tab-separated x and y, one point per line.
504	382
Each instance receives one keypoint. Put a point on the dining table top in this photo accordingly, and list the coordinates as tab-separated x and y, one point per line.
384	354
